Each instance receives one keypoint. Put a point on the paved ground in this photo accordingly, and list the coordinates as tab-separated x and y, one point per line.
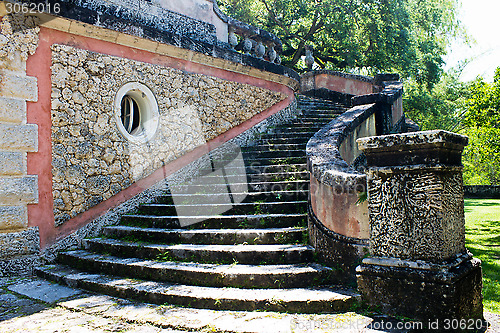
35	305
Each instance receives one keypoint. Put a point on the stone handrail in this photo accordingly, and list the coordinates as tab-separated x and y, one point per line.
339	226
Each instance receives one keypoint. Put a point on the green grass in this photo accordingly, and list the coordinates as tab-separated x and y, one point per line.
482	222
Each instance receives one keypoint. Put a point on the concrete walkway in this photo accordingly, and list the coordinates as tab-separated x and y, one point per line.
33	305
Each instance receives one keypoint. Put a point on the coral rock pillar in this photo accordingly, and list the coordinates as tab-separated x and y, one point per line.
418	265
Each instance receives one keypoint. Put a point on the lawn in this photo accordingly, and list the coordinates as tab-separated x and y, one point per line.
482	223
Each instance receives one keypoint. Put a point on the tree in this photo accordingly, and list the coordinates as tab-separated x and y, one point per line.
440	106
409	36
482	121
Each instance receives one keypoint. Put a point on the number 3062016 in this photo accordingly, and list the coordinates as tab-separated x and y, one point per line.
33	8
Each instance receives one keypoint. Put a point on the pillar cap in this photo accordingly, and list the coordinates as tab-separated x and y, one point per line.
438	138
429	148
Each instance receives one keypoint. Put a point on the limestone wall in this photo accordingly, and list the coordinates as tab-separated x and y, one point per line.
92	160
18	243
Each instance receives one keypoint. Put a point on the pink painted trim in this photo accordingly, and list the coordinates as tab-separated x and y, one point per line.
40	163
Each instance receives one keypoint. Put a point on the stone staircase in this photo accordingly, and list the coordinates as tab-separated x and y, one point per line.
193	247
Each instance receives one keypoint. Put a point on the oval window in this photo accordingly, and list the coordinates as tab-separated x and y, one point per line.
136	112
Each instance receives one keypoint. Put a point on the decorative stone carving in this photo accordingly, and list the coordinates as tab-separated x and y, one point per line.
309	60
232	38
247	45
271	53
260	50
418	264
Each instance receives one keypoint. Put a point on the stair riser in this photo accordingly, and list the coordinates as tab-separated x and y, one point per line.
215	279
223	199
254	208
295	185
201	256
215	223
219	303
222	238
254	177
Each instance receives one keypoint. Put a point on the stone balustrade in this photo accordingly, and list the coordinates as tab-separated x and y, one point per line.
254	41
338	218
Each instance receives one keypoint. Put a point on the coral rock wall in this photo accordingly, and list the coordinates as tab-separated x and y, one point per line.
92	160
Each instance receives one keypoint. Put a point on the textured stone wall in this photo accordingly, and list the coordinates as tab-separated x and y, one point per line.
149	195
416	216
92	161
19	244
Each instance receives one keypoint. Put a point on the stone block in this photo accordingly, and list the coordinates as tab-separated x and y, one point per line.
14	63
18	190
452	292
19	87
13	217
12	110
22	243
19	137
12	163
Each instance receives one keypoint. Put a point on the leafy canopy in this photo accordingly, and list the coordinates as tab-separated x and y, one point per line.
409	36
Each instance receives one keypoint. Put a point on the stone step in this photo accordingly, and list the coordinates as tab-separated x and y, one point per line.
254	177
210	222
305	135
296	300
209	275
252	155
275	254
208	236
227	209
216	188
275	147
253	169
224	199
280	140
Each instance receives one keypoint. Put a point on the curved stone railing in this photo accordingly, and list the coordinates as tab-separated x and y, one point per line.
338	216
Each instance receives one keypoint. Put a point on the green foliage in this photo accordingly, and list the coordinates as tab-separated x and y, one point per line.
409	36
440	106
482	125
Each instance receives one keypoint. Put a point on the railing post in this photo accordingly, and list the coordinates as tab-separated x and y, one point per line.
418	264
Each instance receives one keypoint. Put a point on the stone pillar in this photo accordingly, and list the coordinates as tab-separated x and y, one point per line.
418	265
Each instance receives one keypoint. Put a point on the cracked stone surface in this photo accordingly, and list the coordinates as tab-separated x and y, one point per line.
77	311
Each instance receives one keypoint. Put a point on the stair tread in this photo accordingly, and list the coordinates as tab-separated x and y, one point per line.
225	270
237	248
288	295
209	231
250	216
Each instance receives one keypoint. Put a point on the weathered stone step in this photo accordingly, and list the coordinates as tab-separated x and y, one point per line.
253	169
279	176
280	140
291	134
252	155
223	198
216	188
230	221
204	253
297	300
276	147
210	275
227	209
256	176
297	129
208	236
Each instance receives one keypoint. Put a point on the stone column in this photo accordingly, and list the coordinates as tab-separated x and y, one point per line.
418	264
